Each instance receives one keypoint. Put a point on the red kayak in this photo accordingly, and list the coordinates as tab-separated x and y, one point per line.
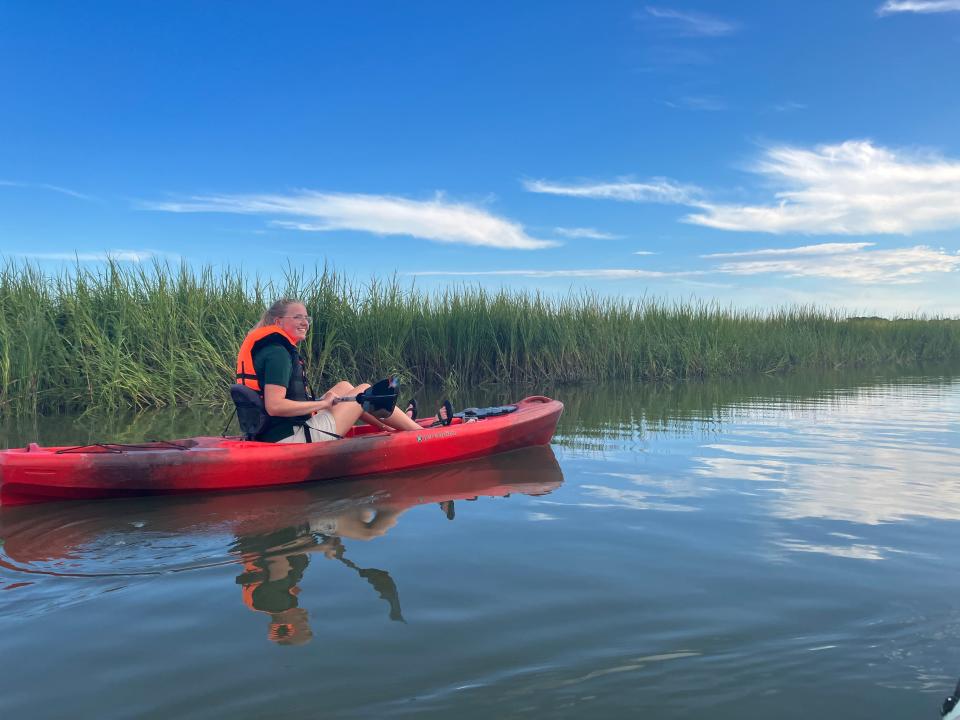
35	474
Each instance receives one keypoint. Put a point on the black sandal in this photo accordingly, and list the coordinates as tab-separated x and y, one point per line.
444	415
411	410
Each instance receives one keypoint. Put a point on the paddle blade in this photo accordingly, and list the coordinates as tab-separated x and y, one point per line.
380	399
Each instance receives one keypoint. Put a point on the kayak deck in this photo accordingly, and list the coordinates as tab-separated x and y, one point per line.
200	464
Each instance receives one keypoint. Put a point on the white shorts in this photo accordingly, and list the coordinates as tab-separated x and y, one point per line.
320	424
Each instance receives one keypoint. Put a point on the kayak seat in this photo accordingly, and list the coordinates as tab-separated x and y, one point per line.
251	414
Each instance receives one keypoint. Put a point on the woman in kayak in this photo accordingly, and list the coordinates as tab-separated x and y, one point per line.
269	363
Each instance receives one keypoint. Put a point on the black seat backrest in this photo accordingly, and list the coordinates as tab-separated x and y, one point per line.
251	413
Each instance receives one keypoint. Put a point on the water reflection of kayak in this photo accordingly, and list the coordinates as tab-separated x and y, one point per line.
46	532
271	535
34	473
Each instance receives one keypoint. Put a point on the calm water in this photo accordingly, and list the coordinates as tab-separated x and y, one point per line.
784	548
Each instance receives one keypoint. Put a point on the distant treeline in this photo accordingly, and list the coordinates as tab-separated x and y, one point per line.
133	336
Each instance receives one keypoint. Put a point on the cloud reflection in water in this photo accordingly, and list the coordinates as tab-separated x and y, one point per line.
873	458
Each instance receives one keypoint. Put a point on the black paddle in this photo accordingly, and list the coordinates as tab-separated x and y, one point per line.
379	399
381	582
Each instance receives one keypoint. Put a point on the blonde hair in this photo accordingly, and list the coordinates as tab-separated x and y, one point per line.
275	311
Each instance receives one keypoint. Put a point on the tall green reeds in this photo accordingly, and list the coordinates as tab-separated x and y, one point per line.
124	336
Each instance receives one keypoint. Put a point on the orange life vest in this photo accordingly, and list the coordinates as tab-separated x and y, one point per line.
255	339
298	388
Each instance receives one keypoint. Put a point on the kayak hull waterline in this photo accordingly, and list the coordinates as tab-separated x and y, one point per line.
200	464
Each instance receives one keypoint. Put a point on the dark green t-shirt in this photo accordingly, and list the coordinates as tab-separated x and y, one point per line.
273	366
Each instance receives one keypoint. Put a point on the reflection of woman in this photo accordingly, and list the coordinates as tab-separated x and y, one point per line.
274	564
272	589
270	581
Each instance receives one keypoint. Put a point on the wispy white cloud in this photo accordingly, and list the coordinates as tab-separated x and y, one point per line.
820	249
596	274
135	256
46	186
918	6
899	266
855	263
657	190
853	188
587	233
438	220
788	106
697	102
294	225
691	24
644	252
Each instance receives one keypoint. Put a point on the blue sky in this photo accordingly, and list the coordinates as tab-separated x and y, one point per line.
758	154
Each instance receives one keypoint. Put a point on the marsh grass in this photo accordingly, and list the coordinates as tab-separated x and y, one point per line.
148	336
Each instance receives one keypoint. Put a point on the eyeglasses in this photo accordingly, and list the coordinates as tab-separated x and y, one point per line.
299	318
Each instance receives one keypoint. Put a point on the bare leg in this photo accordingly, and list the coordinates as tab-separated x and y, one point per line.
399	420
374	421
345	415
